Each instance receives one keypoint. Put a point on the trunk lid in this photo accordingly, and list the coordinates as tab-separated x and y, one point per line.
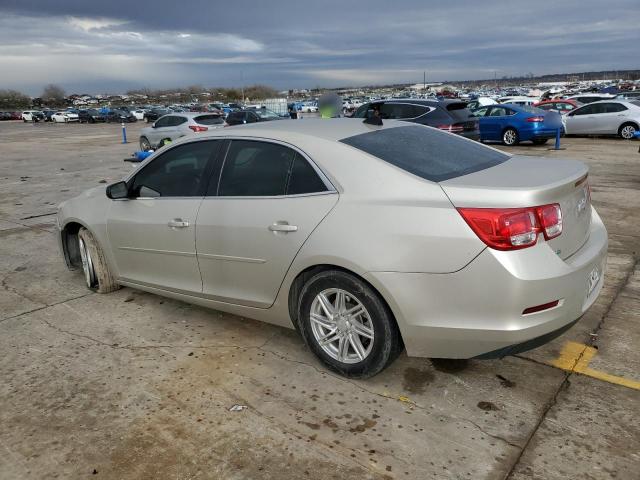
525	181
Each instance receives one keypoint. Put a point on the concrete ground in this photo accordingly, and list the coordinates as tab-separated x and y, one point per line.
134	386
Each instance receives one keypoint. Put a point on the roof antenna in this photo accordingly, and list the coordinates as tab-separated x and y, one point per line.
373	117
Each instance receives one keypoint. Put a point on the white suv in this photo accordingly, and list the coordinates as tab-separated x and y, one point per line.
175	125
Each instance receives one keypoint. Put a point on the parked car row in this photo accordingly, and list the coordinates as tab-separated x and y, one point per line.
449	115
10	116
511	123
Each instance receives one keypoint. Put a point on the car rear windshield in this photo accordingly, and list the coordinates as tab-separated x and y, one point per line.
209	119
530	109
456	106
427	152
459	112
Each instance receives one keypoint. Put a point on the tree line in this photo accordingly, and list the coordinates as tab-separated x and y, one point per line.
55	96
253	92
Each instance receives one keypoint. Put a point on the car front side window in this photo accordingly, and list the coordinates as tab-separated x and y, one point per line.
179	172
163	122
588	110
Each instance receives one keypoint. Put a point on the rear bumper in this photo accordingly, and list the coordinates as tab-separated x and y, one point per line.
537	133
477	311
471	134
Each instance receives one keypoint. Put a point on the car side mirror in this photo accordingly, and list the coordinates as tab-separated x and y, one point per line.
153	125
118	190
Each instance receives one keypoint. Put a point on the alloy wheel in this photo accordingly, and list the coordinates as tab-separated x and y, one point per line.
510	137
341	326
87	265
627	132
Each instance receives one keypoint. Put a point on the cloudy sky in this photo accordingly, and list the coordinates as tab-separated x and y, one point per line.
115	45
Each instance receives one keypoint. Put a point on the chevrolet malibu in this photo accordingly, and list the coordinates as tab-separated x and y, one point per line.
366	239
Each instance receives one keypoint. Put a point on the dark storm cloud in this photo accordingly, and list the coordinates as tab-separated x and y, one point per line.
123	44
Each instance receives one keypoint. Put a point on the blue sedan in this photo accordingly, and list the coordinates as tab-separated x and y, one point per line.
511	124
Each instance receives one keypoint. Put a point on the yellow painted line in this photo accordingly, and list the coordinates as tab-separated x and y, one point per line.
575	357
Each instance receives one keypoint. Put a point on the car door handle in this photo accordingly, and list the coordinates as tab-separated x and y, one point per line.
283	227
178	223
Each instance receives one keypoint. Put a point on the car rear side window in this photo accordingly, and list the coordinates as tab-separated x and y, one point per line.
614	107
428	153
209	119
255	169
259	169
303	178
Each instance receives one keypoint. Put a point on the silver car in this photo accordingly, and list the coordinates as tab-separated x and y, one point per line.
175	125
608	117
364	238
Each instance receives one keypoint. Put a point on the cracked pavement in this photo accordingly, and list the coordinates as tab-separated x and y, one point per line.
135	386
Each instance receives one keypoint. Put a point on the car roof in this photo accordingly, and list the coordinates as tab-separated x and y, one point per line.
420	101
331	129
512	106
613	100
190	114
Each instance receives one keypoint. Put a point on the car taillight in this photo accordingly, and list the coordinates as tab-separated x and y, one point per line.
535	119
550	220
514	228
198	128
455	128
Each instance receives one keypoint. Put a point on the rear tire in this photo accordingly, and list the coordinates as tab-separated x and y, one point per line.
627	130
510	137
369	334
96	271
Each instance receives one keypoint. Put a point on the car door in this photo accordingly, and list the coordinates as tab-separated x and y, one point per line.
173	130
611	118
159	130
492	123
152	233
267	201
578	121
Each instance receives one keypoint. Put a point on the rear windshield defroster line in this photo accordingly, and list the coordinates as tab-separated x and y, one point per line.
427	152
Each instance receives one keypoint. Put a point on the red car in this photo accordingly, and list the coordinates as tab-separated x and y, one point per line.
560	105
